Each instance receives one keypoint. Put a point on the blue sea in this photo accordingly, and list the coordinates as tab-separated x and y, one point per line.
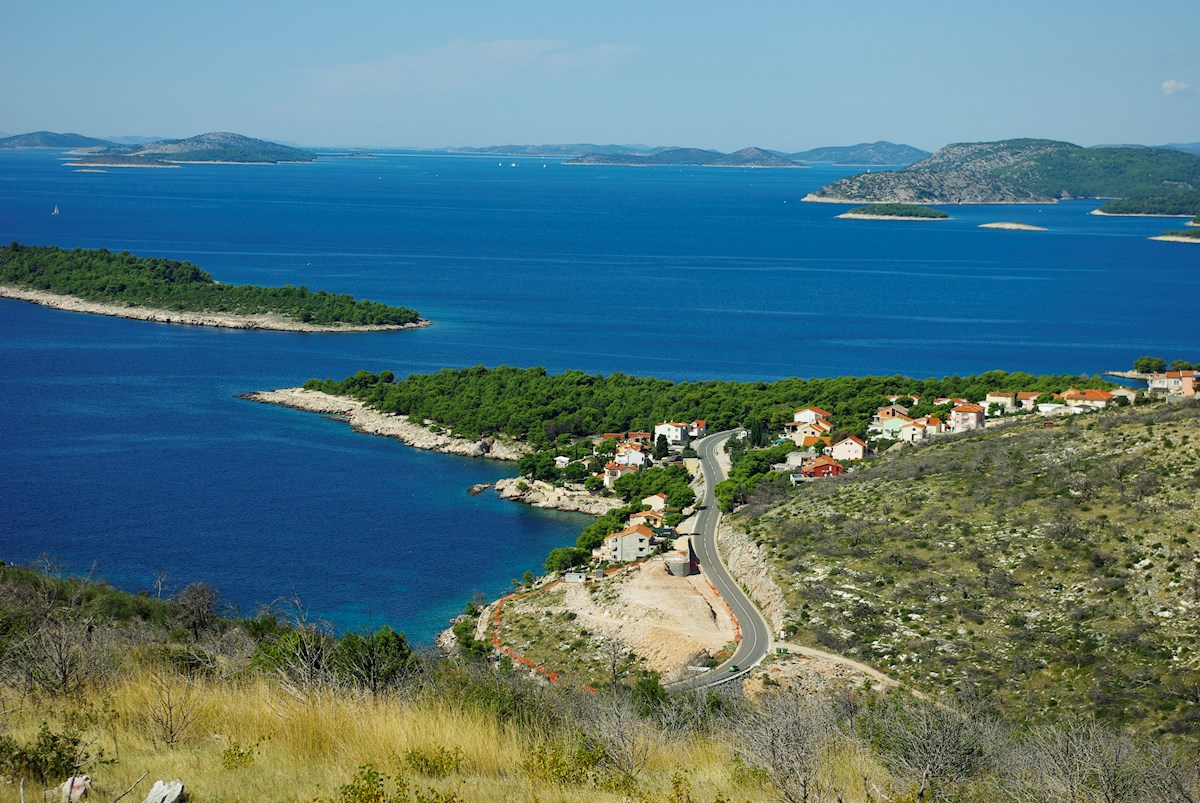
124	451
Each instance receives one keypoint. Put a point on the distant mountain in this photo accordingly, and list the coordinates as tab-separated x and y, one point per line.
1022	171
134	139
1186	147
577	149
214	147
747	157
866	153
49	139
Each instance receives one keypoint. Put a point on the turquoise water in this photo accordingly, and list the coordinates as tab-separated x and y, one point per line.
124	445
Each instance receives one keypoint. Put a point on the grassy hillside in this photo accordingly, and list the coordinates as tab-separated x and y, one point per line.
1056	569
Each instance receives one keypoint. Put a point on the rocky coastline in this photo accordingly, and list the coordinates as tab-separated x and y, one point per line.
1012	226
544	495
366	419
860	216
1167	238
276	323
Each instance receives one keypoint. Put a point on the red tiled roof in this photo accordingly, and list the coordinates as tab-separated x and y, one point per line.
637	529
817	410
1088	395
968	408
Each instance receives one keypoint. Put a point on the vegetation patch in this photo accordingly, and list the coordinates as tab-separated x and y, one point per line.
127	280
898	210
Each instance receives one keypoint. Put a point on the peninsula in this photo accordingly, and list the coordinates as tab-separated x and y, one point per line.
747	157
1179	236
1022	171
865	153
894	212
104	282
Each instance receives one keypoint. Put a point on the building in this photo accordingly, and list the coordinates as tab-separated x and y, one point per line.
890	426
1006	401
1027	398
912	432
632	543
644	438
1129	394
799	431
1087	399
965	417
1173	383
649	518
852	448
614	471
676	432
630	454
821	467
810	414
656	501
698	429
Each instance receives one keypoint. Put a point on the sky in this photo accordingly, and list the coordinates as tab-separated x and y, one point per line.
776	74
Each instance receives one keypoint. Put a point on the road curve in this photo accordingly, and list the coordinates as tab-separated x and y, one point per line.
756	634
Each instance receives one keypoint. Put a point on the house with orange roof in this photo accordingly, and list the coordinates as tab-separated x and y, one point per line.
798	431
912	432
810	414
656	501
644	438
1026	399
823	466
698	429
897	396
966	417
614	471
1173	383
1005	400
632	543
648	518
851	448
613	436
630	454
1080	400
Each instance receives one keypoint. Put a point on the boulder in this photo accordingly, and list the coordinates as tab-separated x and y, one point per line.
165	792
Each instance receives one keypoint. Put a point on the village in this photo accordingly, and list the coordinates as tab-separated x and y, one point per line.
817	455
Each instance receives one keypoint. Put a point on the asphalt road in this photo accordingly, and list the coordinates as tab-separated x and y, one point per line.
756	635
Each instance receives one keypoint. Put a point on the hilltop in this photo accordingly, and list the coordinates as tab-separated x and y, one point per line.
50	139
212	147
747	157
1022	171
865	153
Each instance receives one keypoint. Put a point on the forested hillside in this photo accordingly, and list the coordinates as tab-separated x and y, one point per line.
529	403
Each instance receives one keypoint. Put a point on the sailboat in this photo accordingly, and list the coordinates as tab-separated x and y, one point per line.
55	212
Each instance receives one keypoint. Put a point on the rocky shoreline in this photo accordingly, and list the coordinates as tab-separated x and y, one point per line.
1166	238
544	495
1012	226
860	216
276	323
372	422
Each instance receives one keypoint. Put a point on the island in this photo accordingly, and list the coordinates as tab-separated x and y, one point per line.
747	157
1011	225
894	212
1022	171
51	139
212	148
1179	236
104	282
865	153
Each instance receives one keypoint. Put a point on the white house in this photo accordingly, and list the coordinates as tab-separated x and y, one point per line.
912	432
630	454
631	543
811	414
1087	399
614	471
650	518
698	429
676	432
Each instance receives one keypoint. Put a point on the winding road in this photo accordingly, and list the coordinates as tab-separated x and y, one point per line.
756	634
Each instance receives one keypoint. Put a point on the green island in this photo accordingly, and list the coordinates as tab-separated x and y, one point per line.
215	147
1022	171
1177	204
905	211
131	286
1188	235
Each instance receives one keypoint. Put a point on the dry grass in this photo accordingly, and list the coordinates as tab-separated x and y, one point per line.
312	747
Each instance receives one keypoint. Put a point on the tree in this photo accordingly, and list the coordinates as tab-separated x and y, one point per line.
563	558
787	737
373	661
1149	365
660	447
